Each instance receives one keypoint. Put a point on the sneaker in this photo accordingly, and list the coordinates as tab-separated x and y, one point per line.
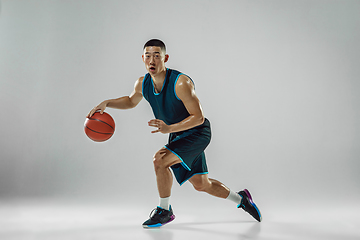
159	218
248	205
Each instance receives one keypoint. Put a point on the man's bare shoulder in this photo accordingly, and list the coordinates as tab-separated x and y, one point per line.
140	79
138	84
184	82
184	88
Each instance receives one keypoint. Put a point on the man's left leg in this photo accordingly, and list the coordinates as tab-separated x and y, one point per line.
243	199
202	183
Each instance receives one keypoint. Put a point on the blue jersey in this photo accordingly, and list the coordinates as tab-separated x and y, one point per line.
188	145
166	105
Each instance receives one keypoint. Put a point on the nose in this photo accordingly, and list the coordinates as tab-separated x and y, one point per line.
152	59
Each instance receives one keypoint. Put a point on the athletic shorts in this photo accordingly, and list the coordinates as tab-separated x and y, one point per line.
189	146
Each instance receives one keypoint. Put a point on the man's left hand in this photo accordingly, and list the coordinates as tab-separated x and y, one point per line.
162	127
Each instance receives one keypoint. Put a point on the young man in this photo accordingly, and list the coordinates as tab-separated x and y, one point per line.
178	112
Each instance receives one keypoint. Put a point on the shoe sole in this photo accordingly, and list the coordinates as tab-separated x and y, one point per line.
252	203
158	225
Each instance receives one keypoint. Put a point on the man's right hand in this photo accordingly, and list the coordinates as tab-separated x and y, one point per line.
102	106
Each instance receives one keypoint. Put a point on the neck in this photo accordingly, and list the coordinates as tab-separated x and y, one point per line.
159	77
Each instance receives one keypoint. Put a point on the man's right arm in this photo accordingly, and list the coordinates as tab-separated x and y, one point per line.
125	102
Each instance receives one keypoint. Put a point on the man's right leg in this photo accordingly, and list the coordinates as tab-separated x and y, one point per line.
163	160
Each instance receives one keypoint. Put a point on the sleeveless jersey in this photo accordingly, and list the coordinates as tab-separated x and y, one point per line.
166	105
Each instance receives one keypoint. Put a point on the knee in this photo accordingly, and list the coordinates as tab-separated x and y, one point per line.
159	161
164	159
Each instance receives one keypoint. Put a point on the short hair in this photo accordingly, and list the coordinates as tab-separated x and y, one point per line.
156	43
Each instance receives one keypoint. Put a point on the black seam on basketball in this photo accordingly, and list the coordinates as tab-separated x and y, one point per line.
96	131
102	122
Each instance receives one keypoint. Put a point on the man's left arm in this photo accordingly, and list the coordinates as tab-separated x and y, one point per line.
186	92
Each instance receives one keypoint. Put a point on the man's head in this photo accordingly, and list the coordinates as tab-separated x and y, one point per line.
155	56
156	43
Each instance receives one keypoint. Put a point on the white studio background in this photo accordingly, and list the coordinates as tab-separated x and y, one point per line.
279	81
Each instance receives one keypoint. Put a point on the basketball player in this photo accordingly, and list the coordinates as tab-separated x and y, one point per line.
178	112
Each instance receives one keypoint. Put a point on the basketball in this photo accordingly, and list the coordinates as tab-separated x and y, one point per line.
99	127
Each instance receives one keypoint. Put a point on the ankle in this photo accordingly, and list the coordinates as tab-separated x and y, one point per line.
234	197
165	203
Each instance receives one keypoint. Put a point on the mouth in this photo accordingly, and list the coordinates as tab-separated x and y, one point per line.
152	69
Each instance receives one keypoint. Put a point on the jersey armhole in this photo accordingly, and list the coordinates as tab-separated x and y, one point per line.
142	90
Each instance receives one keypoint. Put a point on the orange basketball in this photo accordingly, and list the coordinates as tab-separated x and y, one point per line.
99	127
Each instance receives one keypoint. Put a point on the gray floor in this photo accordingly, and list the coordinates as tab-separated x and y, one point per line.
55	219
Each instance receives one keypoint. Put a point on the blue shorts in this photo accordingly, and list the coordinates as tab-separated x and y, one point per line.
189	146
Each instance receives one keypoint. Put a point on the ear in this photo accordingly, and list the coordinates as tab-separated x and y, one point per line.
142	56
166	57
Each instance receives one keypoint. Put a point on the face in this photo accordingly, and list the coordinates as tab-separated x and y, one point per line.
154	60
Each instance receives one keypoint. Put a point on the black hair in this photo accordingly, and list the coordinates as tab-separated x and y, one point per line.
155	43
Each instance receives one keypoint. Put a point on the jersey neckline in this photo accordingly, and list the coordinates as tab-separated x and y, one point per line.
152	82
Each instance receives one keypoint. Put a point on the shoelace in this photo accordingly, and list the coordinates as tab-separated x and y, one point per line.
152	215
